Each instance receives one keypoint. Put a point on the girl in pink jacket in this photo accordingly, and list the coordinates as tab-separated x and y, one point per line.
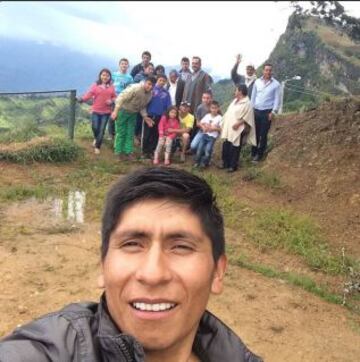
103	95
168	123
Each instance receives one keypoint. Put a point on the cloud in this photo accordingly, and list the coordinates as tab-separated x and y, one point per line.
215	31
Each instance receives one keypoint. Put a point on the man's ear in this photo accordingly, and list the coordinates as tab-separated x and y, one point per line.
219	273
100	279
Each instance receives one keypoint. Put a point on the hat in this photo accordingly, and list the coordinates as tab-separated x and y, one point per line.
185	104
250	64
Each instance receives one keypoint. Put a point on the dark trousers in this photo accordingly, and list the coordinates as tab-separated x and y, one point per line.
262	126
138	125
151	136
98	123
230	155
111	127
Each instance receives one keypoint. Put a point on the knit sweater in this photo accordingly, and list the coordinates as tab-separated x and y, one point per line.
102	97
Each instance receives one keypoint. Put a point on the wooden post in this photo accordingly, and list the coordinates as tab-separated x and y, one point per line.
71	126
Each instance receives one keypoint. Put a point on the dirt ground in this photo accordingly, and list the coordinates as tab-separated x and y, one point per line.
49	259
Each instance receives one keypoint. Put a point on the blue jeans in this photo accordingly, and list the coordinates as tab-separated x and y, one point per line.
204	150
99	122
195	142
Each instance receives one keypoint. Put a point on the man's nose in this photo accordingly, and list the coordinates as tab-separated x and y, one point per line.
154	268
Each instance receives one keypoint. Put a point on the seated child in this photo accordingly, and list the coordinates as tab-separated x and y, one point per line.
210	126
168	123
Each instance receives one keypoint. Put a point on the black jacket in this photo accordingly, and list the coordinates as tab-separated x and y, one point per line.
179	91
85	332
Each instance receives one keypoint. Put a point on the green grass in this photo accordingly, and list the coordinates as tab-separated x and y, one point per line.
51	150
267	179
26	132
22	192
297	280
296	234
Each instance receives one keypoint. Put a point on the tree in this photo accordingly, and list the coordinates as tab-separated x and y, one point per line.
332	12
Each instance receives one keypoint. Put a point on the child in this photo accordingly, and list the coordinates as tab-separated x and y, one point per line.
158	105
210	126
103	95
168	123
121	79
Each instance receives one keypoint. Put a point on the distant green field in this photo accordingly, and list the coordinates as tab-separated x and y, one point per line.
22	118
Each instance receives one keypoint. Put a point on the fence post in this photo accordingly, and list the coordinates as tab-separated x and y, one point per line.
71	127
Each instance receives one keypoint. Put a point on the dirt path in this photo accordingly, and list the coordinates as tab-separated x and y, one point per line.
42	271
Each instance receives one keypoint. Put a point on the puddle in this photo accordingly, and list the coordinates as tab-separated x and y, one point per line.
75	207
40	214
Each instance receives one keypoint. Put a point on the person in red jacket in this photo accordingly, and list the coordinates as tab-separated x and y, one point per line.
103	95
167	124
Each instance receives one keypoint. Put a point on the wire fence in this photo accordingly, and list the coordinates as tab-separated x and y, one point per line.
24	115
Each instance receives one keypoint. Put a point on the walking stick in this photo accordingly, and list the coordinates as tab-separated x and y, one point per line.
142	136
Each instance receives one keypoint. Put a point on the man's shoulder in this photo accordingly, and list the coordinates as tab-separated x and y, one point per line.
217	340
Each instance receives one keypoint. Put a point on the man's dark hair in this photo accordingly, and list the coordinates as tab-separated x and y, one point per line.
123	60
151	79
185	59
146	53
209	92
267	64
198	58
243	89
163	183
215	103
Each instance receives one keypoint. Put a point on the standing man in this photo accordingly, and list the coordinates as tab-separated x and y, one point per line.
131	101
185	72
175	87
248	79
146	57
196	85
265	99
159	104
121	79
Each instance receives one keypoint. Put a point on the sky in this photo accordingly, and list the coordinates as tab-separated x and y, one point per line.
216	31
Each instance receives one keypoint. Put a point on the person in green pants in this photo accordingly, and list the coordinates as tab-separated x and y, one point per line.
132	100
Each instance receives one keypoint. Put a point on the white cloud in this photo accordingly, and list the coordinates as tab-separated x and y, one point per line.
216	31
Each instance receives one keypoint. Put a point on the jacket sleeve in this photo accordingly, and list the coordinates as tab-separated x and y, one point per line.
48	339
89	94
125	95
253	95
234	76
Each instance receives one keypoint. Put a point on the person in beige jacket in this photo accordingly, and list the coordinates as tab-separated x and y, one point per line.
237	128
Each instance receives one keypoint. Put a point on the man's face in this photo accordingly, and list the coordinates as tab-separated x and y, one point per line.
145	59
124	65
161	82
206	99
195	64
172	77
148	86
250	70
149	70
267	72
185	66
159	272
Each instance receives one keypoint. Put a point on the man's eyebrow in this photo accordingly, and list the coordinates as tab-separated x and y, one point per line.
183	235
140	234
125	234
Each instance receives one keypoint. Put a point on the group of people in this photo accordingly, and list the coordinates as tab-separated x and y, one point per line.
164	113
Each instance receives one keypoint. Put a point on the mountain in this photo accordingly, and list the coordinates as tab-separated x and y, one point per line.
323	55
32	66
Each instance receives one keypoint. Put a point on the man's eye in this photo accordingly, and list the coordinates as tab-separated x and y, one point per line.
132	244
183	248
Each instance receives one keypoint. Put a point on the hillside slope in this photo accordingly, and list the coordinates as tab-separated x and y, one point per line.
317	154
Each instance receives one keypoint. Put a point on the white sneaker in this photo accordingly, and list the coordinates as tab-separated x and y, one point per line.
94	143
97	151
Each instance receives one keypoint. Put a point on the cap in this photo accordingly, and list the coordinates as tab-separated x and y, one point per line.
250	64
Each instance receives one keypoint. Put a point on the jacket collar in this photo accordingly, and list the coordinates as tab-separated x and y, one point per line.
214	341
